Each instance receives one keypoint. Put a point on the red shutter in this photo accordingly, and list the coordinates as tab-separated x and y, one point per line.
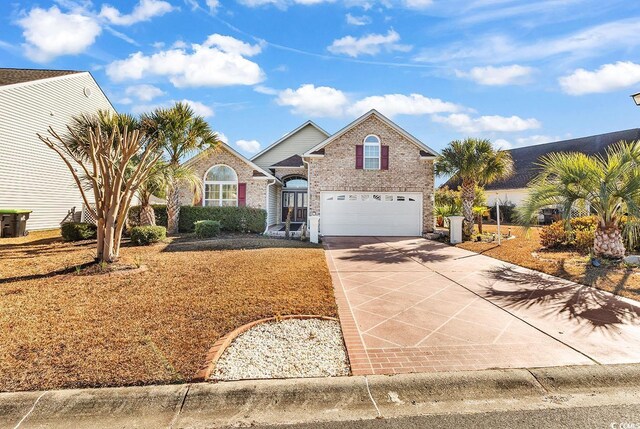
359	156
242	194
384	158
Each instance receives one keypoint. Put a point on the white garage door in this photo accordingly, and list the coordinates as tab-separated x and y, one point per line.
371	213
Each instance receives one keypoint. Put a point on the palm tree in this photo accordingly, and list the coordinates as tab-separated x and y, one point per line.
181	132
157	184
610	184
473	162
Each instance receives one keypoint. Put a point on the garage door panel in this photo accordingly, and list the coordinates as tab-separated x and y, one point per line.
371	213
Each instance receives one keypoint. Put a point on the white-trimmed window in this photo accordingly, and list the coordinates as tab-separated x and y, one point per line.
372	152
220	186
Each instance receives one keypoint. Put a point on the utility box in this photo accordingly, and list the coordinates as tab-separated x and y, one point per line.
455	229
13	223
314	228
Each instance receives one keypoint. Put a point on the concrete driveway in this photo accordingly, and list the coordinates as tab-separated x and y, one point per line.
415	305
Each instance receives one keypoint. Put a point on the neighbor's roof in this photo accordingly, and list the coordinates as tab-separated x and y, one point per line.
425	151
526	159
10	76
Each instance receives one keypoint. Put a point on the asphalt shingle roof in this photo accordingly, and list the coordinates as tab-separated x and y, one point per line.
525	159
292	161
10	76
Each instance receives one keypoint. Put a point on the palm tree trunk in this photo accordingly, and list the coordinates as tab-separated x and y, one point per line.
480	223
173	208
147	215
467	194
608	242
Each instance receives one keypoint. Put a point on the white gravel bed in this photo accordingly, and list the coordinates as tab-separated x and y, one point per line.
285	349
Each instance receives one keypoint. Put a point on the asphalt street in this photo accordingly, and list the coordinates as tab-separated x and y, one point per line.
615	417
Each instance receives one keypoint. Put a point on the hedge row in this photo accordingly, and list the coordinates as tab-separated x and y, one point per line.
232	219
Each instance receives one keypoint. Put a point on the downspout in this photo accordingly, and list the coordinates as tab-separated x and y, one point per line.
308	189
266	228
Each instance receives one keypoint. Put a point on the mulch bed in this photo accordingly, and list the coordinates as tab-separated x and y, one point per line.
525	250
60	328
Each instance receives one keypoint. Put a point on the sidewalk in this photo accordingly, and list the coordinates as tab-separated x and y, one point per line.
328	399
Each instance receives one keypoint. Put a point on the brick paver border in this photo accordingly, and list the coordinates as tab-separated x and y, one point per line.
218	348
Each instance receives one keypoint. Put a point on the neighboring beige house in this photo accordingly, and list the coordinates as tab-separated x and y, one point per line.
32	176
369	178
526	163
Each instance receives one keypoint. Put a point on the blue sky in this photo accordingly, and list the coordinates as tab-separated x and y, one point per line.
517	72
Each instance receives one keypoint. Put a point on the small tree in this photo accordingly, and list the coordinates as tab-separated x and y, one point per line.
473	162
179	132
610	184
103	148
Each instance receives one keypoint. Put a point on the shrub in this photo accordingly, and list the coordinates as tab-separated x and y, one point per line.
233	219
207	228
507	212
145	235
160	211
581	235
76	231
554	235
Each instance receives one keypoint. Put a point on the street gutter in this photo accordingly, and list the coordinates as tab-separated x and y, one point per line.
292	401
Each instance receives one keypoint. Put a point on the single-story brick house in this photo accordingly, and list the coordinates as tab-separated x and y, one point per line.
370	178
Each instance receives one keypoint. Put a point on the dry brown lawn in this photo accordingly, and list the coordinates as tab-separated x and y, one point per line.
525	250
63	329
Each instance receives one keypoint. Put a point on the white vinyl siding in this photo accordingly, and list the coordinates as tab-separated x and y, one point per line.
32	176
296	144
272	215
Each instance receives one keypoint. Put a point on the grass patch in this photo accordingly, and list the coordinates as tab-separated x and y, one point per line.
525	250
77	330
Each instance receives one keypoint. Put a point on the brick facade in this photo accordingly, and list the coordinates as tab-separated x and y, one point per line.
407	171
256	187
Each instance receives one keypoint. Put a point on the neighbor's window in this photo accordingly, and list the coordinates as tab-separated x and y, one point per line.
220	186
372	153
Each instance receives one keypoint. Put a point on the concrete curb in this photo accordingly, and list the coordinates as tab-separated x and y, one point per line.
314	400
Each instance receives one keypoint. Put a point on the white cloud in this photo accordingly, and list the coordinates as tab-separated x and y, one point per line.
370	44
282	4
222	137
249	146
358	20
143	11
232	45
418	4
199	108
501	144
50	33
587	42
314	101
609	77
400	104
213	5
495	76
262	89
213	65
465	123
144	92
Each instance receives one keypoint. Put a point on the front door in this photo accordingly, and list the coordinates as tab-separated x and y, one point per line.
297	200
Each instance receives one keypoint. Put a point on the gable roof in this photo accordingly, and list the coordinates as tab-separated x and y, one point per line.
257	171
11	76
291	162
428	152
288	135
526	159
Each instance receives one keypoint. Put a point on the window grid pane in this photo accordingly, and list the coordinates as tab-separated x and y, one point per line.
371	163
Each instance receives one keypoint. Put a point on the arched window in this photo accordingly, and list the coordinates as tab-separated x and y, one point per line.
295	182
372	152
220	186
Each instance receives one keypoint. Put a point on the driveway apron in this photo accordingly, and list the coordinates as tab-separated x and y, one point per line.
415	305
